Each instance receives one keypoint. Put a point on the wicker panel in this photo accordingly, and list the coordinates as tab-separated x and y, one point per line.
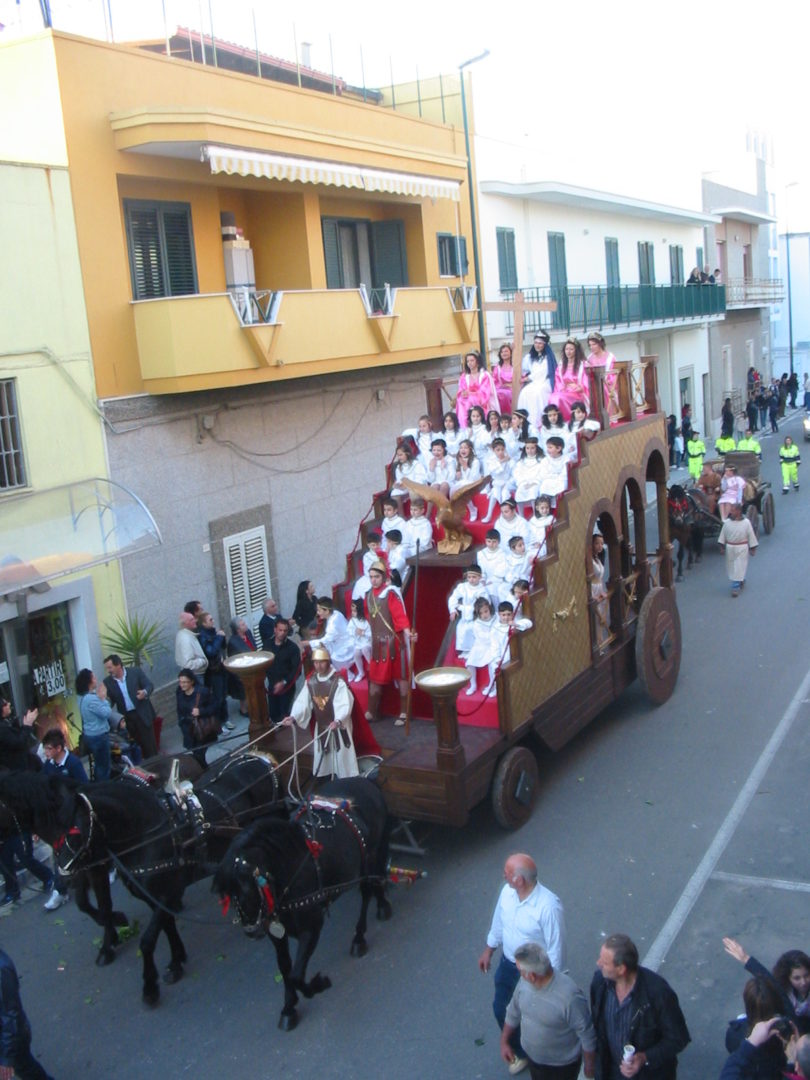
558	647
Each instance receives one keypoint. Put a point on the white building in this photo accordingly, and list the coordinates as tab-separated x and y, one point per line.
611	263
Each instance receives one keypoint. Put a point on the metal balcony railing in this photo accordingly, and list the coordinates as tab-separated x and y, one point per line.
582	308
754	292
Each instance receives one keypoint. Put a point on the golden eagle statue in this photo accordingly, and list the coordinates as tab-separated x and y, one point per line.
451	512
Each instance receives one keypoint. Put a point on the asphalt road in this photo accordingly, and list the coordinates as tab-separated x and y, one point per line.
677	825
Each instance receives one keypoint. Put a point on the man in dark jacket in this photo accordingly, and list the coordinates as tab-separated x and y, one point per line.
16	1058
282	673
128	691
639	1024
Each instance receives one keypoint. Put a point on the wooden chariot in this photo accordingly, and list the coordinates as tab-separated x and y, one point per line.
580	653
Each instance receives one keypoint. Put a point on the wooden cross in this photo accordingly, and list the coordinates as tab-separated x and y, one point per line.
518	307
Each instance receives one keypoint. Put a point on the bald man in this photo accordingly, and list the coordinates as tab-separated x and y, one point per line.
526	912
188	652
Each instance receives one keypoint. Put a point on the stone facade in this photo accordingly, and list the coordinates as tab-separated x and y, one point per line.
303	460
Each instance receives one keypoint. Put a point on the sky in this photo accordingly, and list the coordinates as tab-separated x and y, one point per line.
636	98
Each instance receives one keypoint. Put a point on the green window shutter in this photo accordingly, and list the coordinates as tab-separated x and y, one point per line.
179	252
161	249
331	253
462	252
507	264
388	254
143	228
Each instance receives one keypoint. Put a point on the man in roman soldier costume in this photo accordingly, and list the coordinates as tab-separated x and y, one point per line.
324	706
389	655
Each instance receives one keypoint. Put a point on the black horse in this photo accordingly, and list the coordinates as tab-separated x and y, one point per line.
282	875
161	845
684	528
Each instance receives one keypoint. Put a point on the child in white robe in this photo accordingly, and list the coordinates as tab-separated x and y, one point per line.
539	526
553	424
453	433
500	470
417	527
391	519
406	467
479	434
526	473
511	523
461	605
492	561
423	435
441	469
370	556
554	468
335	639
359	630
518	565
579	422
396	555
481	652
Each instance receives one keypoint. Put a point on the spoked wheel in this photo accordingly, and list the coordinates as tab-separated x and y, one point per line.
514	787
658	644
753	517
768	512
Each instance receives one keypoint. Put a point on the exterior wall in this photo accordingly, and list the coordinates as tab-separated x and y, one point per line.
192	104
303	462
46	350
585	232
745	335
800	297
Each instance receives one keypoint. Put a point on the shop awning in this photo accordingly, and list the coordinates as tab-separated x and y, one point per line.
311	171
47	534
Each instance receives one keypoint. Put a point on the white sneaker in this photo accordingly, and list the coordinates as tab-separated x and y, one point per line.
229	725
56	900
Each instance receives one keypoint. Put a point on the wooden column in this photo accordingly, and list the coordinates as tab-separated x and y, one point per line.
518	307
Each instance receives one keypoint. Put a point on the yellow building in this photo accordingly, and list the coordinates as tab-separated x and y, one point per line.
237	237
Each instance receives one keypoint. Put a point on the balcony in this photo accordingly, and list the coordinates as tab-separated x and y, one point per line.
754	292
218	340
582	308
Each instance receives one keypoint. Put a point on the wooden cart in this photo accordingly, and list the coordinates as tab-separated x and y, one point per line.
579	655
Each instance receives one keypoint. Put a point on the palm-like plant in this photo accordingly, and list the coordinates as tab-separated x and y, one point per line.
135	640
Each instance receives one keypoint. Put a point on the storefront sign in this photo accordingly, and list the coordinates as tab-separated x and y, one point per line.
50	679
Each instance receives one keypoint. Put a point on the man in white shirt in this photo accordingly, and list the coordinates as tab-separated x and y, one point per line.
526	911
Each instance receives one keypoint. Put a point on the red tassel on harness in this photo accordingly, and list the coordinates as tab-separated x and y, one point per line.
315	848
225	904
268	899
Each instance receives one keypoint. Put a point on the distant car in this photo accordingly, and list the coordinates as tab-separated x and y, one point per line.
806	427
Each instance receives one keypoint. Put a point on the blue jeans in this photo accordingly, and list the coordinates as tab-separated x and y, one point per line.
99	747
507	977
20	846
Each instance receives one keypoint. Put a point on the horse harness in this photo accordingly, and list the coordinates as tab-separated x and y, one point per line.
327	813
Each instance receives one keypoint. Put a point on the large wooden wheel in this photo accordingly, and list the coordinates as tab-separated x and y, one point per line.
658	644
768	512
514	787
753	517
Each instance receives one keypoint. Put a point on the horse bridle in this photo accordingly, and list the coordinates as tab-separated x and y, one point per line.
267	900
84	847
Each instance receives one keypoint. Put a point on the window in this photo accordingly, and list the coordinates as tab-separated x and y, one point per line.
12	466
161	249
248	574
646	263
357	251
676	264
507	264
452	255
612	262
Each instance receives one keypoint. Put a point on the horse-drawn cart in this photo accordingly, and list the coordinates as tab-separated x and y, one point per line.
757	503
581	651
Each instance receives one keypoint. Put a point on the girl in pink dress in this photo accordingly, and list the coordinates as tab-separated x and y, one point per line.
571	383
475	387
502	377
600	357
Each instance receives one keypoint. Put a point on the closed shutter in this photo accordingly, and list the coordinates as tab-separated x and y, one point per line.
248	575
144	253
388	254
462	255
507	263
331	253
161	249
179	254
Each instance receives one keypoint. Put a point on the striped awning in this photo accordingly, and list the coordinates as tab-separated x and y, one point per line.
311	171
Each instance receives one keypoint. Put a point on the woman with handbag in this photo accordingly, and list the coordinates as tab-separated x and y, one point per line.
196	715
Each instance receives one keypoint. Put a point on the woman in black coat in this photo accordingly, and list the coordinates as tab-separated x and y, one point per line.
194	702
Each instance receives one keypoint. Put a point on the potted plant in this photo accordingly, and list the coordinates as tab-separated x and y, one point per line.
135	640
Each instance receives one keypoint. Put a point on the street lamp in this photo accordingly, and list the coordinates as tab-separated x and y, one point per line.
476	266
792	184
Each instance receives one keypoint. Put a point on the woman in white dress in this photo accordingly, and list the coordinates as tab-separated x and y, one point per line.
539	367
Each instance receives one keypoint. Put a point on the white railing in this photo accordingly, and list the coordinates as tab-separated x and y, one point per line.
753	292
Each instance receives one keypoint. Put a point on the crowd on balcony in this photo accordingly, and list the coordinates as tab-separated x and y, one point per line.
704	276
